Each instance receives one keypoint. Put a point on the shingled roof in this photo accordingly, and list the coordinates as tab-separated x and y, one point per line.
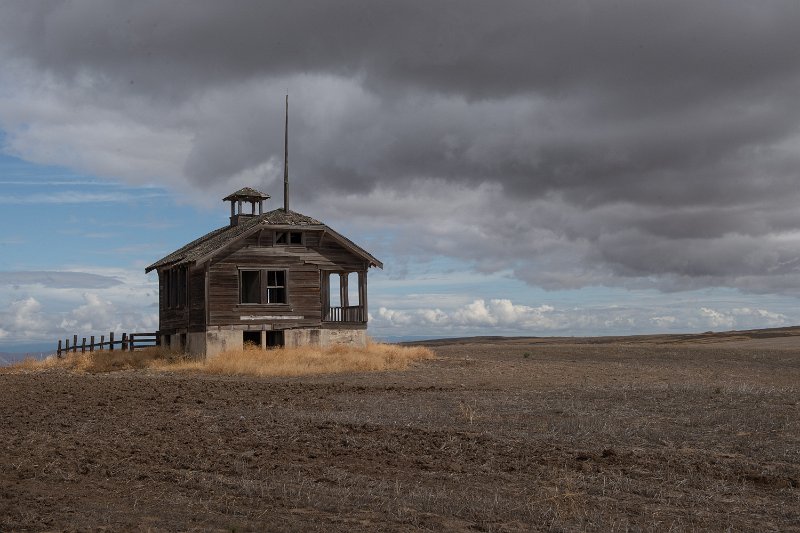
246	193
222	237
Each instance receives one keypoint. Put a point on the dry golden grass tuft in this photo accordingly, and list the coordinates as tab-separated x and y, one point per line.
94	362
250	361
306	360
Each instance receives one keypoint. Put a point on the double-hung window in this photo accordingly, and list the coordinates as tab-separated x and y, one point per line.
276	286
262	287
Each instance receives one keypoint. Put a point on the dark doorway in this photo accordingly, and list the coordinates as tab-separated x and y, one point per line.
274	339
251	339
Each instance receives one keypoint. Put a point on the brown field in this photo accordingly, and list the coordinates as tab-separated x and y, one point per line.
627	434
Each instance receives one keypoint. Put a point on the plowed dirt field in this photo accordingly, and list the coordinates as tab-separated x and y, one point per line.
493	435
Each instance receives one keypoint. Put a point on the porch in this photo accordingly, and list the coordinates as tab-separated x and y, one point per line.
344	312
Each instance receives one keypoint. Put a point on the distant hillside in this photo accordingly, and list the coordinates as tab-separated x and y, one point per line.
7	358
676	338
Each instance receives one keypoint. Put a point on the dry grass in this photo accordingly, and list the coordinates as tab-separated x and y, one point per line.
306	360
249	361
94	362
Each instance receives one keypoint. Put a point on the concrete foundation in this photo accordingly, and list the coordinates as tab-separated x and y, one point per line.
324	337
196	344
350	337
222	340
293	338
175	342
212	342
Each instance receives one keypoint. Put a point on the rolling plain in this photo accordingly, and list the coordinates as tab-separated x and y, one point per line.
657	433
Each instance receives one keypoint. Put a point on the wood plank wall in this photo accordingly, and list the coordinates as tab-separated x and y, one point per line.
197	305
303	264
170	318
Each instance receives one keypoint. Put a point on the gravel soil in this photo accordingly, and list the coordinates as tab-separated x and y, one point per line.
496	435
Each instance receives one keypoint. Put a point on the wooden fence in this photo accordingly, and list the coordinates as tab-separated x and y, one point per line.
129	341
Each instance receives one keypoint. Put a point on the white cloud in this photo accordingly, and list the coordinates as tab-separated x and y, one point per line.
761	316
477	315
44	311
663	321
501	316
717	319
94	315
23	318
395	318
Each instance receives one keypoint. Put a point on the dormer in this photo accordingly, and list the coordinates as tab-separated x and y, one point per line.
242	197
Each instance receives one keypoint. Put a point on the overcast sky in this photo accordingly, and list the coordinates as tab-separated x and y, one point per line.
520	167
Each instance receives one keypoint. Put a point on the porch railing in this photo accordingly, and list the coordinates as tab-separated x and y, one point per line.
352	313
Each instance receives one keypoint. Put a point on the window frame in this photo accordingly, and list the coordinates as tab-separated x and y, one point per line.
263	287
241	285
176	288
288	236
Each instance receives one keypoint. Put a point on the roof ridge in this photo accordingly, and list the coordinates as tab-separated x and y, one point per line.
220	236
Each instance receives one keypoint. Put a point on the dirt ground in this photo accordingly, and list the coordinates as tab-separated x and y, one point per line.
643	434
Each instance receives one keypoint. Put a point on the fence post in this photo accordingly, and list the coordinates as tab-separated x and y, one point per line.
58	353
66	347
91	343
83	345
102	342
75	343
124	342
111	341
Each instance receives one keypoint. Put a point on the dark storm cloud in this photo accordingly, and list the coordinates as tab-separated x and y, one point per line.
658	141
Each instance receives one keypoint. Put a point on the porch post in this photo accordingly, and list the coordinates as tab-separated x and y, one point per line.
362	282
343	293
325	293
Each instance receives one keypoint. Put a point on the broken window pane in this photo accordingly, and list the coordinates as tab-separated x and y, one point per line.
250	282
276	295
276	286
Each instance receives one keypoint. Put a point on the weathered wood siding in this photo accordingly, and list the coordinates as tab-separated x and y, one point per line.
197	305
302	263
169	318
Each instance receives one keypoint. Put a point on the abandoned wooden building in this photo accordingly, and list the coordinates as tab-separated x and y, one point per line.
265	278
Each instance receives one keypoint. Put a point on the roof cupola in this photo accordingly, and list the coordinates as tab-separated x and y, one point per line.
246	195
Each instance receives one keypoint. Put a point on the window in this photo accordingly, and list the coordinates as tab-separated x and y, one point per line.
276	287
181	296
175	289
262	287
288	237
250	286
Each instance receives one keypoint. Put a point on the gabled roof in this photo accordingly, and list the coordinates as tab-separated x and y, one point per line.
219	239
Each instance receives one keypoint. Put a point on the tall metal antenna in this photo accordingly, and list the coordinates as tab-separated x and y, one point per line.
286	159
